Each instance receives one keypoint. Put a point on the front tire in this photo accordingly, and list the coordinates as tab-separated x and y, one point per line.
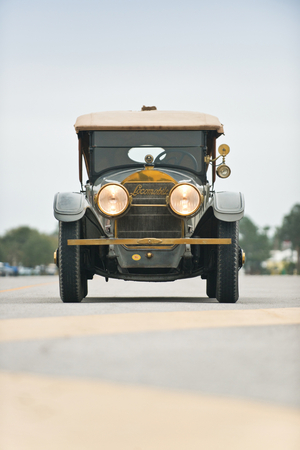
227	289
72	279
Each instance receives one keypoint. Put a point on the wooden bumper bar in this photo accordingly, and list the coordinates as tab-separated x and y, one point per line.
150	241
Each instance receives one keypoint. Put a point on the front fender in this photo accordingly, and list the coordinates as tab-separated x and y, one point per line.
228	206
69	206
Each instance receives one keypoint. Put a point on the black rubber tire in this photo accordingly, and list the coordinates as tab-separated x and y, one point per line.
72	280
211	284
227	289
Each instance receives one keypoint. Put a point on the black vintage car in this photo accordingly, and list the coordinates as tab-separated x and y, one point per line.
147	211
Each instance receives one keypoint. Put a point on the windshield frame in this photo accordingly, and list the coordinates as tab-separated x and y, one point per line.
109	141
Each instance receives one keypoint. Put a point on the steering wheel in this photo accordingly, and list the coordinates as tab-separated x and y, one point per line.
178	160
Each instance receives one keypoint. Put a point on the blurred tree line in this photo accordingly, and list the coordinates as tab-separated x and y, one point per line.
290	231
257	244
27	247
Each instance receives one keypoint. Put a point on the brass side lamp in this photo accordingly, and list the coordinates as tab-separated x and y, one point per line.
223	171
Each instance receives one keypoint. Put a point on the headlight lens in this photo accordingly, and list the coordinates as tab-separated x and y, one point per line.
113	199
223	171
185	199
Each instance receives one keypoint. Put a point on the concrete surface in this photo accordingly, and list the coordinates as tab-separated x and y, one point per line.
150	366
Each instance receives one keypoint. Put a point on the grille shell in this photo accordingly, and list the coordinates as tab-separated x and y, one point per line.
149	215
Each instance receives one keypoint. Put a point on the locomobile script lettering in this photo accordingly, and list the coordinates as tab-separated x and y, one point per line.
140	191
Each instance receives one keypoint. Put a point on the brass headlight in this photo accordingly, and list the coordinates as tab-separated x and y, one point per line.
113	199
185	199
223	171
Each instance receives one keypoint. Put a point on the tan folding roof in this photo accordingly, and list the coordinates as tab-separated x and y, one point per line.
148	120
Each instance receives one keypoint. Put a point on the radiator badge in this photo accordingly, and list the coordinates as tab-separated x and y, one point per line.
140	191
136	257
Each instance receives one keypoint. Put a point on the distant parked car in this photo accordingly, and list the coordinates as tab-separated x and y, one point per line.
25	270
51	269
7	270
36	270
15	270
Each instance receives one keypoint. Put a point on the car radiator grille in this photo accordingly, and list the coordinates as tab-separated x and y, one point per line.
149	215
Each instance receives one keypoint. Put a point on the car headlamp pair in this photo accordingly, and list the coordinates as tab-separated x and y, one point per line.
114	199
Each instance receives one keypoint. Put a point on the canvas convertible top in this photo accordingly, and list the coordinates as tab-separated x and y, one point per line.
148	120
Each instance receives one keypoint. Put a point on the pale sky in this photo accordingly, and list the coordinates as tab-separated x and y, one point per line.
60	59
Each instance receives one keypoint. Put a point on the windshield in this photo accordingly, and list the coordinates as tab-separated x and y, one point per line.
118	149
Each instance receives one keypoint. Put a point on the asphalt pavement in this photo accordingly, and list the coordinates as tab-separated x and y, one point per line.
145	366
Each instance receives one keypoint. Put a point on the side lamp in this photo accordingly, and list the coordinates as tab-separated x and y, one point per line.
223	171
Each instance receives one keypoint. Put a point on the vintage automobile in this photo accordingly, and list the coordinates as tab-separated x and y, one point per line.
147	211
